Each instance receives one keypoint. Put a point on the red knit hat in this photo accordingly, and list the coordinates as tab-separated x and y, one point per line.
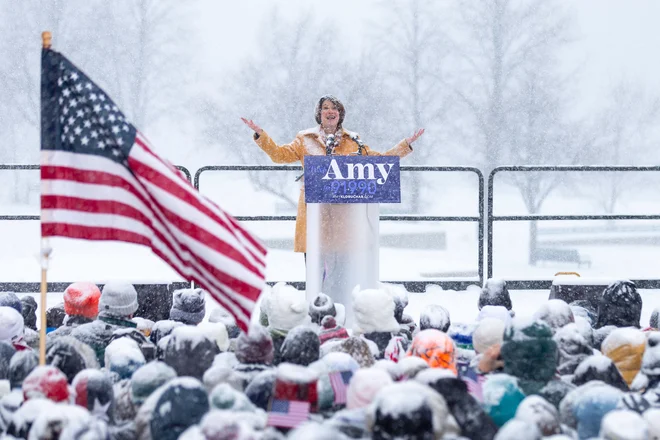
82	299
46	382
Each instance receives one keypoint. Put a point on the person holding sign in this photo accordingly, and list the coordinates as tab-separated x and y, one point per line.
328	138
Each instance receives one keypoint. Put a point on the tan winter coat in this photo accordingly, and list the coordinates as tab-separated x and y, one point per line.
309	142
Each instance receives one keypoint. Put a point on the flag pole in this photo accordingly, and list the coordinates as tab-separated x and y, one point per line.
46	38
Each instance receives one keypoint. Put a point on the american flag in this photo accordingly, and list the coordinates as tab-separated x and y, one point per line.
102	180
339	381
287	413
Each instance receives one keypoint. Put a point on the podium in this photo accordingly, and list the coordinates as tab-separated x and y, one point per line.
343	194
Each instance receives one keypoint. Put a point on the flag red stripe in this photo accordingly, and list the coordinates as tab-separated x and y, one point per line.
245	234
92	233
97	177
93	206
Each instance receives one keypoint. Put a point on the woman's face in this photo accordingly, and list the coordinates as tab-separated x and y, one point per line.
329	114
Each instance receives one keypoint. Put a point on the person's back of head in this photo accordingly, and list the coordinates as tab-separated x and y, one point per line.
118	300
9	299
82	299
434	316
188	306
620	305
495	293
21	364
29	305
11	325
55	317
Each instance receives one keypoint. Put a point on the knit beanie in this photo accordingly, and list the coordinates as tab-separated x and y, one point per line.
217	332
364	385
619	305
55	317
434	316
495	293
188	306
118	299
502	395
29	312
11	324
625	346
498	312
330	330
148	378
46	382
321	307
9	299
489	332
286	306
435	347
530	354
255	346
82	299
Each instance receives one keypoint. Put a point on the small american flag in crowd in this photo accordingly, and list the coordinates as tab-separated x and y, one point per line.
287	413
101	180
474	382
339	381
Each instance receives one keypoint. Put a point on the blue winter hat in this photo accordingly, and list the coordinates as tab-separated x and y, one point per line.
9	299
592	406
502	395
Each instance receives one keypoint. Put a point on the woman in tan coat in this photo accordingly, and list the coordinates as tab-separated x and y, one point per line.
330	114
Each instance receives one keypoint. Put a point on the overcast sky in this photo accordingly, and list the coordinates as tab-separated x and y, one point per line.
616	38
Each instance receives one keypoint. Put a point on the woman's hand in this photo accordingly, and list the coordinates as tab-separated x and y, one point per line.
414	137
491	360
250	123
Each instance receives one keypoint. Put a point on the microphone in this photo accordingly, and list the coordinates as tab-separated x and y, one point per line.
355	138
329	144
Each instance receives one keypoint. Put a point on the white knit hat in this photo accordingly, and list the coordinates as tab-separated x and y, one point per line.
287	307
118	299
489	331
11	324
364	386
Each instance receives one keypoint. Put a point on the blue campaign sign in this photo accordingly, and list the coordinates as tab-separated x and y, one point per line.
352	179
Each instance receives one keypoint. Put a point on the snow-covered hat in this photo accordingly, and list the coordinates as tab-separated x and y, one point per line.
123	356
148	378
495	293
188	306
216	331
374	311
364	385
434	316
623	424
46	382
9	299
287	307
82	299
489	332
118	299
625	346
11	324
556	313
498	312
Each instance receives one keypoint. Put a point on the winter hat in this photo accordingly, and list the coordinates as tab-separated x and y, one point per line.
489	332
21	365
554	312
516	429
391	368
46	382
118	299
410	366
585	330
186	343
123	357
333	362
321	307
63	353
435	347
6	352
535	409
286	306
82	299
255	346
556	390
573	348
171	409
188	306
55	317
495	293
625	346
23	418
434	316
225	397
301	346
148	378
529	353
567	404
655	317
11	324
374	311
162	329
592	406
584	308
93	391
502	395
316	431
357	348
364	385
29	312
9	299
424	415
623	425
330	330
298	383
620	305
216	331
147	348
219	314
651	358
497	312
599	367
260	389
400	295
652	418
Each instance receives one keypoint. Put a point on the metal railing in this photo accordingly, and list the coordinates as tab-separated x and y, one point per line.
491	218
412	286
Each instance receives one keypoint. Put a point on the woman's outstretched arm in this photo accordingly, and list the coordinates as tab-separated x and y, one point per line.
286	153
401	149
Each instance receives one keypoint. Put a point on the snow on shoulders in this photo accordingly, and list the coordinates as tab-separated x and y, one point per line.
623	336
296	373
598	362
188	333
401	398
623	424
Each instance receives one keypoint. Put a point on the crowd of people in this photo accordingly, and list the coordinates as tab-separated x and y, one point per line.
582	370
